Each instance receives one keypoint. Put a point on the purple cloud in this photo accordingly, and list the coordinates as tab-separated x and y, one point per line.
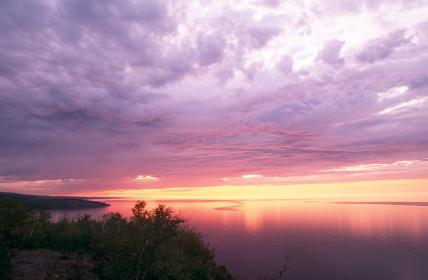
382	48
94	95
330	53
210	49
285	65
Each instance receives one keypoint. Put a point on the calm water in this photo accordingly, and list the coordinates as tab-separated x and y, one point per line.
311	240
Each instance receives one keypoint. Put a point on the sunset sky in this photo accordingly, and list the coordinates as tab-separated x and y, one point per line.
215	99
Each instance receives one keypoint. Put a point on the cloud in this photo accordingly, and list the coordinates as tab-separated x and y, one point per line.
210	49
198	91
285	65
372	166
251	176
392	92
259	35
146	178
381	48
411	104
330	53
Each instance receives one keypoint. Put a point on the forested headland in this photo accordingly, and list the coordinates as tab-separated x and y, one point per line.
53	202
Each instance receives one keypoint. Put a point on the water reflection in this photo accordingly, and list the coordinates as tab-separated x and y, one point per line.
322	240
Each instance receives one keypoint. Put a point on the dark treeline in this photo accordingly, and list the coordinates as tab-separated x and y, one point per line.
152	244
53	202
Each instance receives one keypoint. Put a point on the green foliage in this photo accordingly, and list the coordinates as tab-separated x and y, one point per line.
15	220
5	255
152	244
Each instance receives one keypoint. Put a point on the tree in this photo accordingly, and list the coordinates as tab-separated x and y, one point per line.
153	244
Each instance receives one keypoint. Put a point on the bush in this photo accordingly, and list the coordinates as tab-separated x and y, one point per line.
5	256
150	245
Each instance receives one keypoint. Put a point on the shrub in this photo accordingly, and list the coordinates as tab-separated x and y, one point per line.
152	244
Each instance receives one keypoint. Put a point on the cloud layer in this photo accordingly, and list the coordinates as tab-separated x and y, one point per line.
138	94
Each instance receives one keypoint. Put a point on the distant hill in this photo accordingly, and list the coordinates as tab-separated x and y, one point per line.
53	202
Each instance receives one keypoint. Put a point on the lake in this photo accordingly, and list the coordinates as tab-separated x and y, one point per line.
305	239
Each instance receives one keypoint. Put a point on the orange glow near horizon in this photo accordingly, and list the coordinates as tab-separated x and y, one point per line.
391	190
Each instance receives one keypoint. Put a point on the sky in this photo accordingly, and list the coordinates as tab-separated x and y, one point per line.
203	97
